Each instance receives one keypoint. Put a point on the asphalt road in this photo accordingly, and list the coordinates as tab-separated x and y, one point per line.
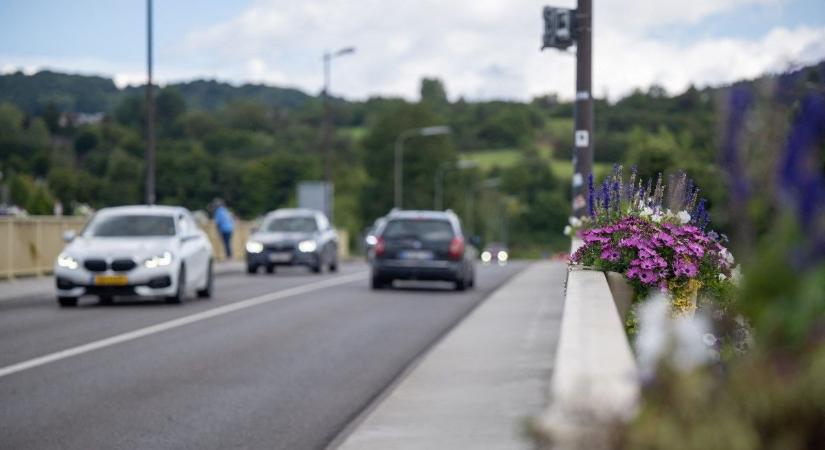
281	361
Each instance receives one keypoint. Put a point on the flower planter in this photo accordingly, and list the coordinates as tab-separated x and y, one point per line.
621	291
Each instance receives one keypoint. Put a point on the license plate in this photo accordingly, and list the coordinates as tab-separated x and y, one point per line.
111	280
280	257
416	254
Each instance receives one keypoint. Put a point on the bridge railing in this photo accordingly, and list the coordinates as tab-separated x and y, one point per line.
595	378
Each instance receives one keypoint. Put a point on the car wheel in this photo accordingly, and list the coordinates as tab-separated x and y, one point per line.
270	268
460	284
206	292
105	299
317	267
251	269
379	282
180	293
67	301
333	265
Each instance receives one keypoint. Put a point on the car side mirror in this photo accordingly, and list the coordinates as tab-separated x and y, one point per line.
69	236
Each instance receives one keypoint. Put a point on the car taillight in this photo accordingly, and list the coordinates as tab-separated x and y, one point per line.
380	246
457	248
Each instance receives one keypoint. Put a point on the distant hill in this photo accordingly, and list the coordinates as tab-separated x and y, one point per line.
79	93
88	93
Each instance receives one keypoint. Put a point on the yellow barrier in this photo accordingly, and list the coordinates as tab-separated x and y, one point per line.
29	246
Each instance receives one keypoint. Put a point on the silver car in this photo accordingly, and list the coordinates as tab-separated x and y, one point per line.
293	237
147	251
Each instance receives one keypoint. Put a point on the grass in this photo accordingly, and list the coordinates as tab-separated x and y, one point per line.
507	157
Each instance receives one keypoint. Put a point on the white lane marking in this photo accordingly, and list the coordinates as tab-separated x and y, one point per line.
179	322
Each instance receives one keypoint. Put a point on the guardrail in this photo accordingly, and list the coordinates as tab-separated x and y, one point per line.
29	246
595	380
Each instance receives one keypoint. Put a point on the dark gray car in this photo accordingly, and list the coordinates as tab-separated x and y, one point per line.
423	245
293	237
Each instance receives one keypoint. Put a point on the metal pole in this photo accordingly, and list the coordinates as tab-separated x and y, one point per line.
150	112
438	191
583	139
326	142
399	169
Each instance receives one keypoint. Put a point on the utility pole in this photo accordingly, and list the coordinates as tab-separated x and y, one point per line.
562	28
150	112
583	151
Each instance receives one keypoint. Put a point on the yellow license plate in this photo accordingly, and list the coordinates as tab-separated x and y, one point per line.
111	280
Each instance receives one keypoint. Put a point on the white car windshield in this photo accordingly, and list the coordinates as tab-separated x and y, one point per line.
132	225
292	224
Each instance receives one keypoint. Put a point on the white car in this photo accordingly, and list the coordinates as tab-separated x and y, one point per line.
152	251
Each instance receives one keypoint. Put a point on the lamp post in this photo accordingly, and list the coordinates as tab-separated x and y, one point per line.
150	112
326	142
438	190
399	152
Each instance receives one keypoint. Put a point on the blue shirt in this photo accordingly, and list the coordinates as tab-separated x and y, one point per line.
223	220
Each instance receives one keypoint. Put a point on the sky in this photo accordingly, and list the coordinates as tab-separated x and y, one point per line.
480	49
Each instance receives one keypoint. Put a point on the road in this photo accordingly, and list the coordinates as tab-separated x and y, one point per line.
280	361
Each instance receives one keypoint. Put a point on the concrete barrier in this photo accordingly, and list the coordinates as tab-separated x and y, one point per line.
595	382
30	245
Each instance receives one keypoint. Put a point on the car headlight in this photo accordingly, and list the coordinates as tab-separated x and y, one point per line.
307	246
254	247
64	260
502	256
164	259
486	256
371	240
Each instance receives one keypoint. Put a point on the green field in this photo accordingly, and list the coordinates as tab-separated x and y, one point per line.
488	159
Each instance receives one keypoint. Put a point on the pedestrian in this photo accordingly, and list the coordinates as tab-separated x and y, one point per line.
225	225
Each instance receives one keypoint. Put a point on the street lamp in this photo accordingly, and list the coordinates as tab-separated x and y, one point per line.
438	190
326	142
399	149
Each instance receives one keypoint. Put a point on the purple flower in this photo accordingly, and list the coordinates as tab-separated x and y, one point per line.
590	194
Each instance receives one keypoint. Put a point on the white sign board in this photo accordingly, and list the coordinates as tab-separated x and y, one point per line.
582	138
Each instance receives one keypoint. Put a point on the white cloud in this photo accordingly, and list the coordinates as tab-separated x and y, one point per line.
479	48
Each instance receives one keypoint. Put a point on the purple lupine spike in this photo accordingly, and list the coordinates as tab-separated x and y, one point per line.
631	184
617	196
800	179
605	196
696	215
741	99
590	194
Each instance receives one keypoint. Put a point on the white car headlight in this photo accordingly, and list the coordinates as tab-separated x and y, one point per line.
307	246
164	259
486	256
254	247
502	256
371	240
64	260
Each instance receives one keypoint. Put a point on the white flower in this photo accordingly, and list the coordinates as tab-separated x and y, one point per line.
683	217
736	275
709	339
681	342
728	256
657	217
722	277
568	230
574	221
646	211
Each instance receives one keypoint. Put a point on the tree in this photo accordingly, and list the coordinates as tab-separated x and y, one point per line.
422	156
